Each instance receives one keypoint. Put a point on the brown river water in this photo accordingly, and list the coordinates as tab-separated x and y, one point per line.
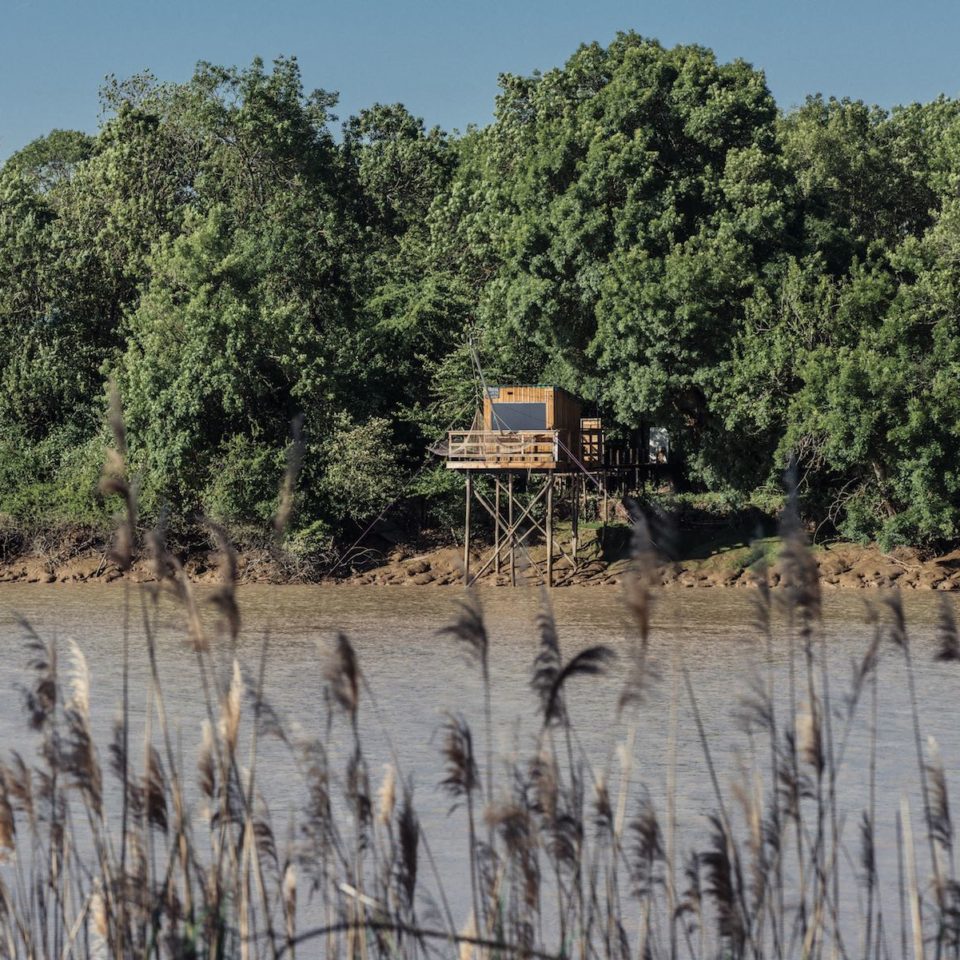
415	675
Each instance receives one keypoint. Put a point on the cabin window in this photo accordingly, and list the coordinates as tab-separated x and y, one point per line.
519	416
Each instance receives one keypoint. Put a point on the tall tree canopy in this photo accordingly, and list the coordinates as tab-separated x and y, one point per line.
616	217
641	226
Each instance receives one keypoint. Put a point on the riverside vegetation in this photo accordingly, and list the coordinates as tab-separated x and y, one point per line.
642	226
566	854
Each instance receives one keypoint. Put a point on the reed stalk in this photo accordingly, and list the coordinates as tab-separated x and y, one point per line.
564	854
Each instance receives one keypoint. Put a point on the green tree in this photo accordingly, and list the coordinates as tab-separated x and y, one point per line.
613	220
639	225
877	416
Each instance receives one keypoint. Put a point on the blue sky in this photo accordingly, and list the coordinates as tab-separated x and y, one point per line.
441	57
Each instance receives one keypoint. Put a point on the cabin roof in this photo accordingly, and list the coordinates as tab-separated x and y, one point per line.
514	383
530	386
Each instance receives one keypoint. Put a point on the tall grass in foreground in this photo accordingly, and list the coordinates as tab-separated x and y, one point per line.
565	854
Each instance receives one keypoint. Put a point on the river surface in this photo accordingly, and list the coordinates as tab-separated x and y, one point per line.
415	675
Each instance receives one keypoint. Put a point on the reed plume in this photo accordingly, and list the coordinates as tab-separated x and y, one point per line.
548	662
574	859
408	834
294	456
469	629
587	663
723	884
463	776
343	676
114	482
8	824
224	597
646	849
948	640
79	758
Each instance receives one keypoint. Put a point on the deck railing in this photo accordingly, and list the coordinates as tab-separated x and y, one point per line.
504	448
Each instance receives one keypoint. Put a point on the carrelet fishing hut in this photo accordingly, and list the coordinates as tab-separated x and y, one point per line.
538	434
522	428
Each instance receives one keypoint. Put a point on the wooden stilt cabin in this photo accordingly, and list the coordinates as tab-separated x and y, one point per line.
533	429
541	427
523	427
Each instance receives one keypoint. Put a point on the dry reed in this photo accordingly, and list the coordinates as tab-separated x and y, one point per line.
565	854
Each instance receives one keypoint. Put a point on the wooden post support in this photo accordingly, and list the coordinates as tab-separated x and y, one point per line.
496	525
575	514
603	514
549	526
466	531
513	539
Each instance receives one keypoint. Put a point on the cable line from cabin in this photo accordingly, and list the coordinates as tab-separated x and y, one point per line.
483	385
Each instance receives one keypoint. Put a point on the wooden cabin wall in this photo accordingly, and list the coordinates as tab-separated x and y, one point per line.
566	416
563	409
510	394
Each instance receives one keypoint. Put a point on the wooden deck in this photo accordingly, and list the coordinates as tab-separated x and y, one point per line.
506	450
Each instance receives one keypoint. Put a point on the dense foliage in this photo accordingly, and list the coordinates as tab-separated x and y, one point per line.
642	226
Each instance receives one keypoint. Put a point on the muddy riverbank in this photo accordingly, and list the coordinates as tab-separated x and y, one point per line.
841	565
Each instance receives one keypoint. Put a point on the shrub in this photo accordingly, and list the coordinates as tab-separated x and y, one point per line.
362	473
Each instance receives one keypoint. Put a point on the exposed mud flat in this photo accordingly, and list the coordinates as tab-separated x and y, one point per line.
842	565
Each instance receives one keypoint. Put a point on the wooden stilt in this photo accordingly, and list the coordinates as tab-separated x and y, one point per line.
466	531
513	539
525	515
549	526
496	525
575	514
603	514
